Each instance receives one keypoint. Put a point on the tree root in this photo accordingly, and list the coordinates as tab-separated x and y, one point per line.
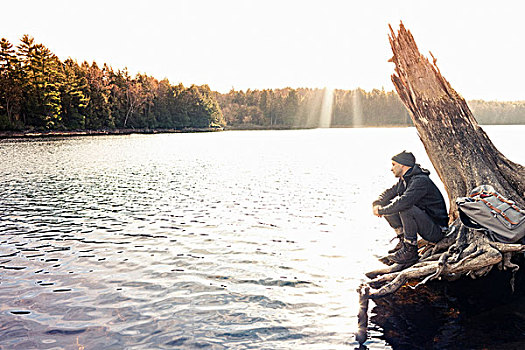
463	252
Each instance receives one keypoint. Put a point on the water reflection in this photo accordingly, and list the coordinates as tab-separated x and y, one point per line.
467	314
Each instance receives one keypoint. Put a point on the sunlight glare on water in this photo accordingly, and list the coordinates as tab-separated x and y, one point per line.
253	239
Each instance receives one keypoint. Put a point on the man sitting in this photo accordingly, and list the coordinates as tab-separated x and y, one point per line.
413	205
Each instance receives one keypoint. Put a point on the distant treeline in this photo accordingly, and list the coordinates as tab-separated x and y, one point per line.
349	108
39	92
494	112
313	108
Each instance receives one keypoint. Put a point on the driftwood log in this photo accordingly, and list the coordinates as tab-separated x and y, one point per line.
464	157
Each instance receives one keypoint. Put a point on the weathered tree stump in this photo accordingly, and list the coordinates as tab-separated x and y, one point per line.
461	152
464	157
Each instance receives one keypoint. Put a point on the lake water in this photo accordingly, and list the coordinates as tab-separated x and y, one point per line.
229	240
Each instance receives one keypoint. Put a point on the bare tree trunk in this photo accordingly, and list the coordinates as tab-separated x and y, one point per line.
462	154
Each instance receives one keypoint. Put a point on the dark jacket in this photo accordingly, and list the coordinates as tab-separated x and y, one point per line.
414	188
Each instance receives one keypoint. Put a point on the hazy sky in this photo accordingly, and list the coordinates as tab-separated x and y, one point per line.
273	44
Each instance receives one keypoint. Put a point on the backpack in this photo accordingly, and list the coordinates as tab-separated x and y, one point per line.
486	209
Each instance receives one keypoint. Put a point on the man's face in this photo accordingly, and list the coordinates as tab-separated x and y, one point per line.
397	169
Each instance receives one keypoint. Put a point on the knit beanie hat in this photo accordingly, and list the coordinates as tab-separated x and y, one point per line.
405	158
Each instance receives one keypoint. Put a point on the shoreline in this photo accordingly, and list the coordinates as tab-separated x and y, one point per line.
32	134
73	133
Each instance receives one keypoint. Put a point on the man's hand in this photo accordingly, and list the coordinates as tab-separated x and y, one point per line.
375	209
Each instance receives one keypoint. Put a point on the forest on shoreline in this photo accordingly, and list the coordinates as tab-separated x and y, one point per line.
39	92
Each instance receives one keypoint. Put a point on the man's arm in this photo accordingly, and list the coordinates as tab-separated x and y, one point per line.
387	195
415	191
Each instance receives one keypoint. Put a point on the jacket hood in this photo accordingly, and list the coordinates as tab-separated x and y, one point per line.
416	170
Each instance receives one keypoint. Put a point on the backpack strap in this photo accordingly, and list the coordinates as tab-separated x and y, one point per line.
483	193
511	204
496	210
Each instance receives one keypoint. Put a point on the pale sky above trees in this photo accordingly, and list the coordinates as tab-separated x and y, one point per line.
274	44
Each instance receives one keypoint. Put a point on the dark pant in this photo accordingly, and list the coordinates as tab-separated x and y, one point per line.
414	221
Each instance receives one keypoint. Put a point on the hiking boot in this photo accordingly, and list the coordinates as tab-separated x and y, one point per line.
406	255
399	244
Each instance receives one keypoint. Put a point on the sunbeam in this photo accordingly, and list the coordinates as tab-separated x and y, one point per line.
356	102
325	117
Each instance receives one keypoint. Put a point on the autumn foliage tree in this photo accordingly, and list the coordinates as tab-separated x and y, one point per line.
38	91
